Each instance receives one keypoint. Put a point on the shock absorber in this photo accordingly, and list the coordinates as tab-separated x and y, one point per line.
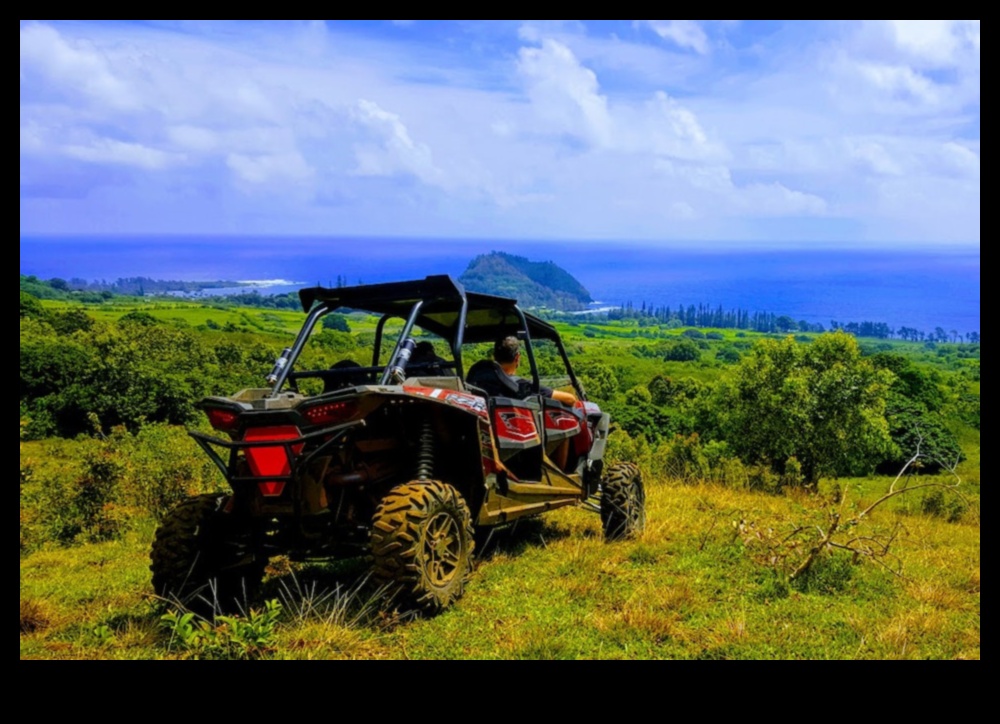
425	455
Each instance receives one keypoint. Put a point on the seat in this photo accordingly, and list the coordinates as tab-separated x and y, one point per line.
491	379
346	377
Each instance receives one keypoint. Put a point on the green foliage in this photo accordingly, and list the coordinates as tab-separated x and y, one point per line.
124	373
914	429
682	459
937	504
533	284
729	355
822	404
31	307
598	380
682	351
117	482
143	319
830	574
224	637
336	322
72	320
911	382
624	448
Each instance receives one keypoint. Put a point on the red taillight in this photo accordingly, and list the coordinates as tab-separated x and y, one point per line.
222	419
329	413
271	488
272	459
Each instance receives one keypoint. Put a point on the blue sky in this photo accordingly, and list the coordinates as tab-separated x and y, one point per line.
680	131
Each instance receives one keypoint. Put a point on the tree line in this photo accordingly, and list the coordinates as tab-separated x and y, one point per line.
706	315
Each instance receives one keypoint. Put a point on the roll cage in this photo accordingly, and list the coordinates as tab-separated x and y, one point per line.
436	304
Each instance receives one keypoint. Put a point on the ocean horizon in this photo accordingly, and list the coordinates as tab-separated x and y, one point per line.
919	287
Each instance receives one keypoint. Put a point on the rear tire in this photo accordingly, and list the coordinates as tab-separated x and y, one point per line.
623	502
195	564
422	544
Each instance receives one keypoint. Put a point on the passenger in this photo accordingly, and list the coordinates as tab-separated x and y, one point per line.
499	379
426	361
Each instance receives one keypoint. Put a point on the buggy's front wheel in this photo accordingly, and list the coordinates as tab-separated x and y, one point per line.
623	502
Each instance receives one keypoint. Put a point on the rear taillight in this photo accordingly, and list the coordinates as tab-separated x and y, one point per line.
271	460
330	413
222	419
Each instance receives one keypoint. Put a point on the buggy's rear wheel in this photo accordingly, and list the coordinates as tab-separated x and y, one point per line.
623	502
422	544
196	561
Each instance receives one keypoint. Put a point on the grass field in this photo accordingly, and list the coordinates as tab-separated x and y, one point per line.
693	586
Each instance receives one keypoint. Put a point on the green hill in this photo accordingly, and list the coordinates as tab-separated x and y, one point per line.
532	283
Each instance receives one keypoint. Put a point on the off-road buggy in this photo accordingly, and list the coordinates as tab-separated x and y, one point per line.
400	460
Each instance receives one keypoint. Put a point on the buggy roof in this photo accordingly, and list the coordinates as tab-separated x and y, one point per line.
487	317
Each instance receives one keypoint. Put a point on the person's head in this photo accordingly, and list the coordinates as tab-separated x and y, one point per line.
423	351
507	351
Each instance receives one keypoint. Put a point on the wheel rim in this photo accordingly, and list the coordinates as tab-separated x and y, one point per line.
442	548
634	507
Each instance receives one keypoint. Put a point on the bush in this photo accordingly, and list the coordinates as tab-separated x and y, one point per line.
935	504
336	322
623	448
682	351
121	479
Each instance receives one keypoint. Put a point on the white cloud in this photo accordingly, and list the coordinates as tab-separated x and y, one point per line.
104	150
566	93
684	33
895	67
566	97
935	43
900	81
960	159
74	68
394	151
774	199
723	196
874	157
194	138
270	167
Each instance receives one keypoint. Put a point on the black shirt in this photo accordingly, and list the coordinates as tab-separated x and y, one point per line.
490	377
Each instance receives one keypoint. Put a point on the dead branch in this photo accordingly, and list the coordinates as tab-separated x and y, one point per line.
874	548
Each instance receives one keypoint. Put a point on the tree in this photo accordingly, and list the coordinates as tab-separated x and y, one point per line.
682	351
336	322
821	403
31	307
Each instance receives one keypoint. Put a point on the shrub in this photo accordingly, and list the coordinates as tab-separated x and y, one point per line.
936	504
682	351
682	459
224	637
336	322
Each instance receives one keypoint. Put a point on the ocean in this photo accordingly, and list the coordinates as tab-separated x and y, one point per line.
915	287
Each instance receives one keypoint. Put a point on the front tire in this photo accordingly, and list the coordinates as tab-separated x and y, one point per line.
196	561
422	544
623	502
